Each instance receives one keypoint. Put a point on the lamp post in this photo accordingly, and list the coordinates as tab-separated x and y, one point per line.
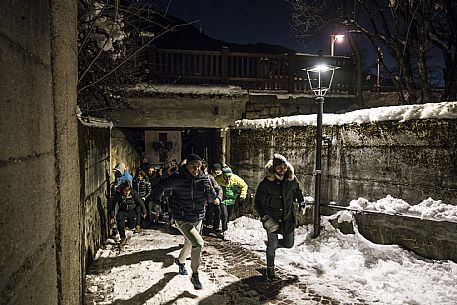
378	61
317	75
333	39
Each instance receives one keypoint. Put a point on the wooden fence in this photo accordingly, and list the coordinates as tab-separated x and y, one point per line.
279	72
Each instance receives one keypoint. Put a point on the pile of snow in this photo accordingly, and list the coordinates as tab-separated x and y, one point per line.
427	209
445	110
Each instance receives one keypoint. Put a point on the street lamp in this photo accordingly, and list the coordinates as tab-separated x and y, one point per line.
317	76
333	39
379	56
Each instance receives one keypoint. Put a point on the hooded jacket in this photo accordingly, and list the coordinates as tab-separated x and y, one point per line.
233	188
275	197
189	194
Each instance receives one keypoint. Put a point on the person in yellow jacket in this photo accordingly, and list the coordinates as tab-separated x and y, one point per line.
234	188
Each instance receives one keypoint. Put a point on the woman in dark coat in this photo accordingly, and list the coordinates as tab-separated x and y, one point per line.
274	203
126	201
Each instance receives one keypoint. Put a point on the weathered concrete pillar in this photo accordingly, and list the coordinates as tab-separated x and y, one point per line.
39	227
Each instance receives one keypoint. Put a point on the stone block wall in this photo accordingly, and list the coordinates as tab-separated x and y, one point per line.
123	151
267	105
94	145
40	229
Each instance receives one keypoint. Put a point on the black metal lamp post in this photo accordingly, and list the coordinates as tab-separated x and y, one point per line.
320	79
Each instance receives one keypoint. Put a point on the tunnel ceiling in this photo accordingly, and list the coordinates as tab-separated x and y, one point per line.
181	106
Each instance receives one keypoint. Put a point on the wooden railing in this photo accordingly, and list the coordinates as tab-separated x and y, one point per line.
281	72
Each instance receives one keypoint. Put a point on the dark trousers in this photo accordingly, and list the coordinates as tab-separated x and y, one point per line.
138	215
274	243
130	215
209	214
226	214
213	215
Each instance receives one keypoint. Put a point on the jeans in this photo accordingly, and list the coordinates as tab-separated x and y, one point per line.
274	243
193	243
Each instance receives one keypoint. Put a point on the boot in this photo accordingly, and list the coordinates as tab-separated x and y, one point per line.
196	281
122	244
137	229
182	267
270	273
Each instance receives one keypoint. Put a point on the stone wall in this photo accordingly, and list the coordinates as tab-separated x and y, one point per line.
123	151
411	160
94	145
40	232
267	105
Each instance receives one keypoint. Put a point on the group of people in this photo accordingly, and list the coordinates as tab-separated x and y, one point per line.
196	196
131	198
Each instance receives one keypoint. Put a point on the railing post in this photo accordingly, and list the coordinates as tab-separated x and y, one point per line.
224	63
291	71
151	61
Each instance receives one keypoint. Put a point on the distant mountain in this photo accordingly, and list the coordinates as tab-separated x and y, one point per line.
188	37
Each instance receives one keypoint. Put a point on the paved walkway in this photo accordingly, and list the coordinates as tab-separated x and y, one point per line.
233	275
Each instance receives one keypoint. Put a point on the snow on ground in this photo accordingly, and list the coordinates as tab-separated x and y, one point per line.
343	267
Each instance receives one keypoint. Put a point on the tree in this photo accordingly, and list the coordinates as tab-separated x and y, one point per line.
405	30
113	39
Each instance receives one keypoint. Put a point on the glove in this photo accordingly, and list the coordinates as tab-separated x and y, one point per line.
241	202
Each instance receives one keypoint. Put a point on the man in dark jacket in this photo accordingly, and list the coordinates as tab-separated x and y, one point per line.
191	189
274	203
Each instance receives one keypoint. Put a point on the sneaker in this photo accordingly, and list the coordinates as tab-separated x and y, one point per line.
182	267
137	229
122	244
196	281
270	273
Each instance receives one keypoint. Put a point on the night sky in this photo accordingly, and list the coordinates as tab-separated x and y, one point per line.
241	21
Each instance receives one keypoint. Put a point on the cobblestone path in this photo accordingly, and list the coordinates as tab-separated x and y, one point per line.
232	273
252	288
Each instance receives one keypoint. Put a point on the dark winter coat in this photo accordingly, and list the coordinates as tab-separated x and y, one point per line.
127	203
275	197
189	194
142	187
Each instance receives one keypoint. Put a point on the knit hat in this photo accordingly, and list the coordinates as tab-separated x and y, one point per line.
193	157
278	160
217	166
227	172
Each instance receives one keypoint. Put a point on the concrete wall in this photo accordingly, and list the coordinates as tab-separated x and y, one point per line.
40	230
411	160
94	145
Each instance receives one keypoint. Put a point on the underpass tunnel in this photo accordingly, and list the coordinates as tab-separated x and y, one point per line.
161	146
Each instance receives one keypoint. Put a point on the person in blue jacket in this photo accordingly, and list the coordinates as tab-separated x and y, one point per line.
191	189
